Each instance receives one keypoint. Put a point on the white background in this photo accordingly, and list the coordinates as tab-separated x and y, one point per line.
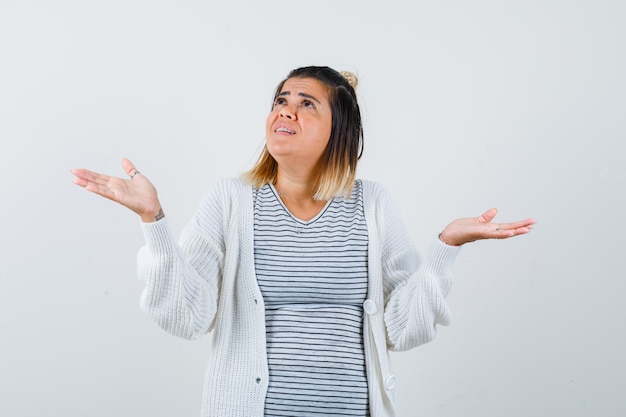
466	104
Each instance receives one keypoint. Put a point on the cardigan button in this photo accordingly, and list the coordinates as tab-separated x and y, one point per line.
390	383
370	307
258	380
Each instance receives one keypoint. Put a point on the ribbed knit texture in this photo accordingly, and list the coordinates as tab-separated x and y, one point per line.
209	283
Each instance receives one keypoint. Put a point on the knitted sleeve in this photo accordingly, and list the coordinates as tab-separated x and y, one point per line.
414	287
182	280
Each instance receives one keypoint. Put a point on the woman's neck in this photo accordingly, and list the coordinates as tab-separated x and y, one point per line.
297	195
299	187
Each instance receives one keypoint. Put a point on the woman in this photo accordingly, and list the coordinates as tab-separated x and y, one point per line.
305	276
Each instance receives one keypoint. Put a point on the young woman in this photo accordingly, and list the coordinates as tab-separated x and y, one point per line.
304	275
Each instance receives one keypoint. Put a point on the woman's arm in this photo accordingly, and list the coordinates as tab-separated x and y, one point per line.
416	288
181	279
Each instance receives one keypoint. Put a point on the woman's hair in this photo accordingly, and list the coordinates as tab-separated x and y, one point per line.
337	168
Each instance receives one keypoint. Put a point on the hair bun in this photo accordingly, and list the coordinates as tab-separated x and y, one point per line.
351	78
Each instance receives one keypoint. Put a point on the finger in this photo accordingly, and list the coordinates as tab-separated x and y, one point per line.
89	176
504	234
81	172
96	178
79	176
129	167
527	223
488	216
80	181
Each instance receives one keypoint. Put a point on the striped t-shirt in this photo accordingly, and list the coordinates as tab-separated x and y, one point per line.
313	277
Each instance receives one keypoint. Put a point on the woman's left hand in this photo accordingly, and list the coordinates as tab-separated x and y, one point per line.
467	230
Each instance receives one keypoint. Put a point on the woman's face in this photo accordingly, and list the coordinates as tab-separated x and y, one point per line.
299	125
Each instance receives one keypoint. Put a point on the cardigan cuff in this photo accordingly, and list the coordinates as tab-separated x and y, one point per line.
158	237
442	254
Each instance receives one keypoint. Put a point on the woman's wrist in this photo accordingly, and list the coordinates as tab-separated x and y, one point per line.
152	216
447	240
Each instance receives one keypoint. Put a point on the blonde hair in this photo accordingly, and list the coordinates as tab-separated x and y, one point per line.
336	171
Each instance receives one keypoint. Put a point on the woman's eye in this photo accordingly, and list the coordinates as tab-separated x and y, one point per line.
281	101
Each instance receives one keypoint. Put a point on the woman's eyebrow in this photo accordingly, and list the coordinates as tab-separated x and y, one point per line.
305	95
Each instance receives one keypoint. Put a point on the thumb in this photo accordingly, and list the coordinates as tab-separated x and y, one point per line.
488	216
128	167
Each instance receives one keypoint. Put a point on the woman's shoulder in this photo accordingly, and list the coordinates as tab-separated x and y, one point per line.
226	191
230	186
373	190
378	199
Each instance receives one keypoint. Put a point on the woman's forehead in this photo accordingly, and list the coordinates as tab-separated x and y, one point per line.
301	84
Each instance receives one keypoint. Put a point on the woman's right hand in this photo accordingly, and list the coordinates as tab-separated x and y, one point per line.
136	193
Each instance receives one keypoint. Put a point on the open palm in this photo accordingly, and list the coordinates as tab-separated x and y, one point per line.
137	193
470	229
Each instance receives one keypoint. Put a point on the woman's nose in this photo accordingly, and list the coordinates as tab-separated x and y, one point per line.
288	112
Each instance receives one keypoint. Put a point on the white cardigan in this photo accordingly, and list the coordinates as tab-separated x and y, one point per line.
209	283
